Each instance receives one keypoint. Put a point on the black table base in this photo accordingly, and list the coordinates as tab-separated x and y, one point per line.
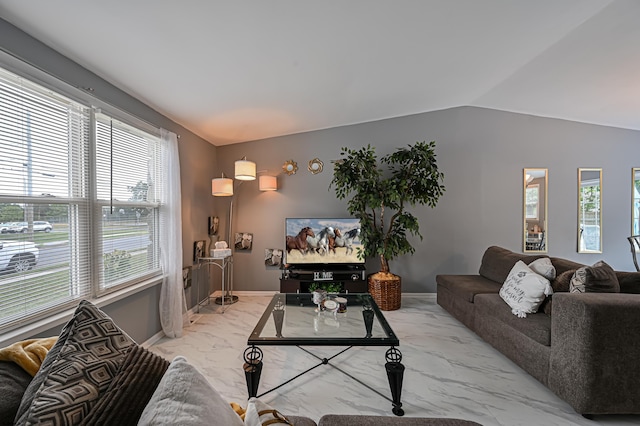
395	373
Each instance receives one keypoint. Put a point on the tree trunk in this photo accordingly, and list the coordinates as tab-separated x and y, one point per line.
384	265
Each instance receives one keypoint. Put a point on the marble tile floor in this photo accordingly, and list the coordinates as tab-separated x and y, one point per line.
450	372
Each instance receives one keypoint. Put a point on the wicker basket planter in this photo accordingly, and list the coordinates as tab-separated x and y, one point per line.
386	290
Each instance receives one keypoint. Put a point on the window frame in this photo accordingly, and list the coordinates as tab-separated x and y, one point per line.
92	207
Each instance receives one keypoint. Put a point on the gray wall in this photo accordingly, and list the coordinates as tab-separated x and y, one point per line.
482	153
138	314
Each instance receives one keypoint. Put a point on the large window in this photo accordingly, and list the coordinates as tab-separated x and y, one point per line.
78	202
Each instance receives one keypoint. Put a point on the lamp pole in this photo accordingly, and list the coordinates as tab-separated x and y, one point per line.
227	299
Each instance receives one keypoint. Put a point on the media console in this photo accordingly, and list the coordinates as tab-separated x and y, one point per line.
297	278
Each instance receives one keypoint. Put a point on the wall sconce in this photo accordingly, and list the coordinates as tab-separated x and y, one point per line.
268	183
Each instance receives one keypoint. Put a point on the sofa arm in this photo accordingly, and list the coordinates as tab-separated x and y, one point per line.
595	351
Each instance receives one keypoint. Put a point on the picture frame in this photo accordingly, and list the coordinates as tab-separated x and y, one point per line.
243	241
198	249
214	224
186	277
273	257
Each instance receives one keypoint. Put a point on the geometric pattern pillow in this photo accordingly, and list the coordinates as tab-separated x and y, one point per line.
599	278
85	359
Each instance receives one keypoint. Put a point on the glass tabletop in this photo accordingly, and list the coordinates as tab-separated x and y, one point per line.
294	319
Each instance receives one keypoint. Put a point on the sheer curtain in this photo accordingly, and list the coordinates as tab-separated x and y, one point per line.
173	309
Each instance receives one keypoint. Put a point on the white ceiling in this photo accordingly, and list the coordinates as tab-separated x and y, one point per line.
233	71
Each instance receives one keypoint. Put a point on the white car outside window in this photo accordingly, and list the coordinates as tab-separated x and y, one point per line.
18	256
38	225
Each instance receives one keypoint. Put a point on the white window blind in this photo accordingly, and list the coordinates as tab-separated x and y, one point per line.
79	202
44	206
127	169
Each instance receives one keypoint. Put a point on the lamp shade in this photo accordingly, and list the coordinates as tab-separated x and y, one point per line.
245	169
222	187
268	183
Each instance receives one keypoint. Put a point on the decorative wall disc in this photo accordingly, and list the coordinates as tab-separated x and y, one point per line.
315	166
290	167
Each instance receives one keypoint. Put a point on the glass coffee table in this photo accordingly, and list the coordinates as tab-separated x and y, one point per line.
293	319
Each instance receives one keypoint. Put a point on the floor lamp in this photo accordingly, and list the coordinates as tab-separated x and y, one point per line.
223	187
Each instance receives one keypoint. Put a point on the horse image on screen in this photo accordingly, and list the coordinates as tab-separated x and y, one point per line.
329	241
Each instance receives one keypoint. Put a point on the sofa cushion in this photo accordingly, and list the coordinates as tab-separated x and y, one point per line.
13	383
599	278
536	327
467	286
497	262
77	369
629	282
562	265
185	397
524	290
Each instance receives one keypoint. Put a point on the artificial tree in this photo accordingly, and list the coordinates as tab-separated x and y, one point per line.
379	196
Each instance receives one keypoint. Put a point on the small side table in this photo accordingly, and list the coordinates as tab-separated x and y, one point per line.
224	264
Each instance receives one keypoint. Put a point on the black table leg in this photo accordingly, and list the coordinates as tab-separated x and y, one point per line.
395	374
252	369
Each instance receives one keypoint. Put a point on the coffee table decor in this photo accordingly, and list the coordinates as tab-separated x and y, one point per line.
302	319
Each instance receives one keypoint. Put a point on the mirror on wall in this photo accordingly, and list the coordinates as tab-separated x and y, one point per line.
535	210
635	201
589	210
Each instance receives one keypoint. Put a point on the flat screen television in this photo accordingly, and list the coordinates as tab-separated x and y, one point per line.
322	241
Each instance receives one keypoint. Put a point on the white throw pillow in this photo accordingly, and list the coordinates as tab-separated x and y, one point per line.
524	290
258	414
184	397
544	267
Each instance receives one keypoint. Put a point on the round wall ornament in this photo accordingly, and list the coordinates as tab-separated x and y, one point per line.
315	166
290	167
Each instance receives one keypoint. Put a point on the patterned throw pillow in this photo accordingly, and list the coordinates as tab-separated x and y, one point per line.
85	359
524	290
599	278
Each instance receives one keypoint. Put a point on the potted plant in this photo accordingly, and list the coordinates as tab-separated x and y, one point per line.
379	198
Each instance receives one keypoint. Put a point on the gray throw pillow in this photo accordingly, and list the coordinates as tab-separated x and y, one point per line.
559	285
77	369
13	383
599	278
185	397
544	267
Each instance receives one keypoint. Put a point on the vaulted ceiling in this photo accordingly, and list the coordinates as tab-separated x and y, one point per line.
233	71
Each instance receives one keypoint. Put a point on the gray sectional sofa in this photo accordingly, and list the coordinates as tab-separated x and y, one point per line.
587	350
